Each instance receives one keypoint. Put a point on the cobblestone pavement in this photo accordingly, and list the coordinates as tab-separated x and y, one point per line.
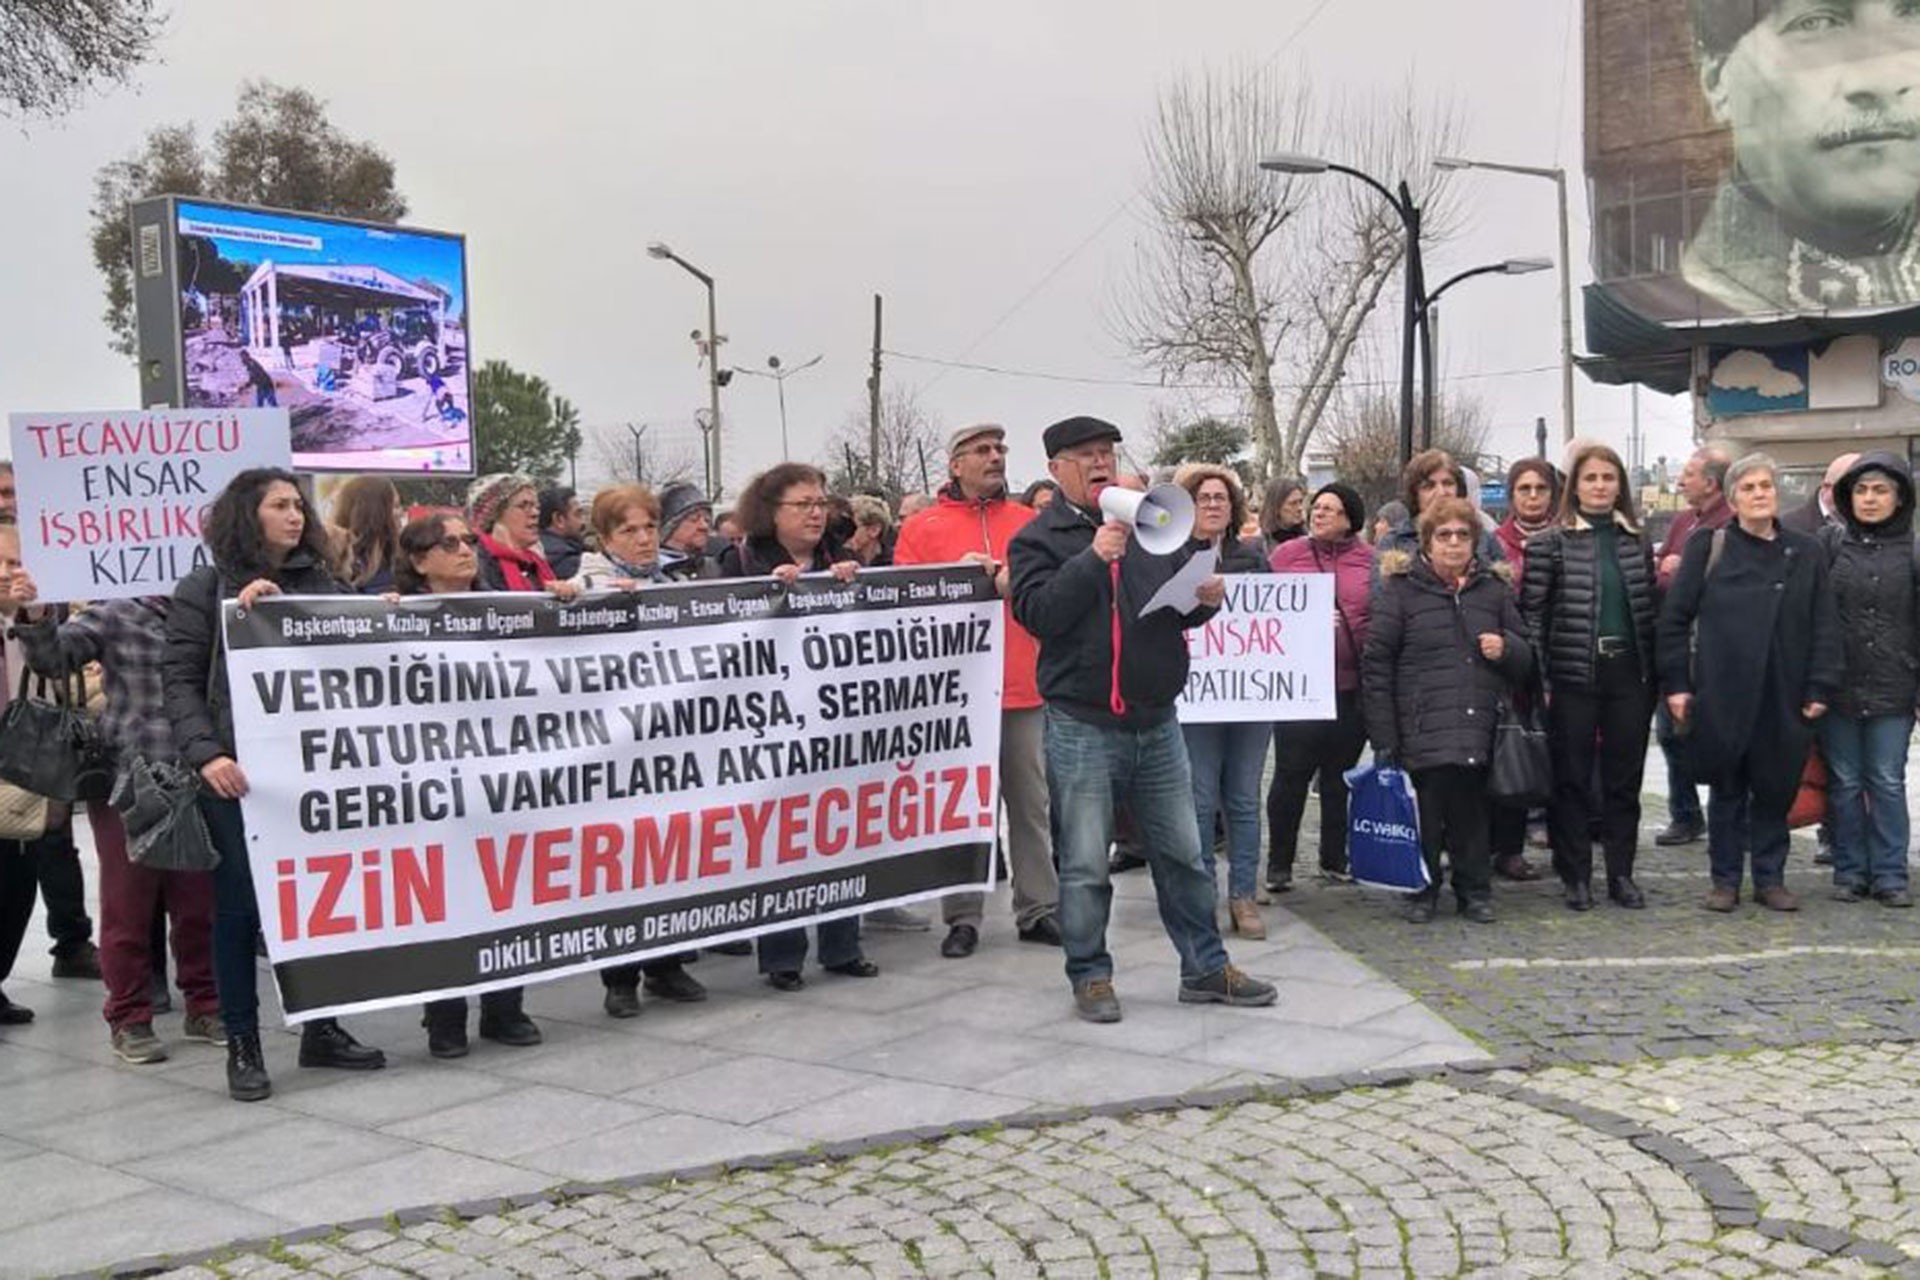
1613	986
1799	1163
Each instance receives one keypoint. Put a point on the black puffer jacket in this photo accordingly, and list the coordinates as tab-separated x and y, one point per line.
1063	593
1871	570
193	668
1430	698
1560	599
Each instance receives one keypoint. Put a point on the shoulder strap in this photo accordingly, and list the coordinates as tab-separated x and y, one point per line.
1715	551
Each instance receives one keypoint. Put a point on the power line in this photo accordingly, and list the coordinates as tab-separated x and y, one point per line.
1112	216
1043	375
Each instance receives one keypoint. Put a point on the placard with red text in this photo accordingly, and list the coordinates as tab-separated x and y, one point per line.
1266	655
112	502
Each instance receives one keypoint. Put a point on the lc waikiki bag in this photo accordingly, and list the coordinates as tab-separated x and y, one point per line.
1383	830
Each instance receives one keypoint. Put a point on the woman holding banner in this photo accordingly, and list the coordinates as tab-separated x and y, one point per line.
264	540
1228	758
1445	645
783	515
438	556
626	520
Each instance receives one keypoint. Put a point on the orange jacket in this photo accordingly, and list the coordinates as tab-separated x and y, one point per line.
949	530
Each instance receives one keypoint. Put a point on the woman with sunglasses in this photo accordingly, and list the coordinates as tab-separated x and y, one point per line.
783	514
1444	645
439	556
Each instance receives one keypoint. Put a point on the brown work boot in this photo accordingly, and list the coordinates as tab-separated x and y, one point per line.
1721	899
1776	897
1246	918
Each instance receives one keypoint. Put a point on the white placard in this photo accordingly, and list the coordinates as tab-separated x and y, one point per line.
112	502
1268	653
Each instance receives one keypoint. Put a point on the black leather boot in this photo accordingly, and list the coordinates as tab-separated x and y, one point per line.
446	1024
325	1043
503	1021
247	1068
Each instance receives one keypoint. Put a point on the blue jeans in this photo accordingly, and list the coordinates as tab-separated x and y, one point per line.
1085	765
1683	793
1227	760
236	918
786	950
1867	798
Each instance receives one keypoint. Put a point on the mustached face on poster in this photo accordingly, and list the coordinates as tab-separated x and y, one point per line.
112	502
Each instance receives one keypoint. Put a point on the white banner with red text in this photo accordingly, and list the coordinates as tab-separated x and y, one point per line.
454	794
1266	655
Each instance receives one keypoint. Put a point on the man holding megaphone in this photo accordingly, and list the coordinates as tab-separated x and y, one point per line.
1082	572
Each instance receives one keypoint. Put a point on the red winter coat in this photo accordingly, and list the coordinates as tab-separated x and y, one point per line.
1350	561
955	527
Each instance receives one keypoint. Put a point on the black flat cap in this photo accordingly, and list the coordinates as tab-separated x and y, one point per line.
1068	432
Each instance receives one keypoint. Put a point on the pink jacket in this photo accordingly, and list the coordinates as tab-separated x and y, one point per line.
1350	561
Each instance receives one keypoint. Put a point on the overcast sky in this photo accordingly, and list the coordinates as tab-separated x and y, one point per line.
972	162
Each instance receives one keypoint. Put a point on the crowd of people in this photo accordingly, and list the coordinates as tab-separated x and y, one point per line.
1745	637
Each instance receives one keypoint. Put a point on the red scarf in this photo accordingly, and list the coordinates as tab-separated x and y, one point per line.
519	570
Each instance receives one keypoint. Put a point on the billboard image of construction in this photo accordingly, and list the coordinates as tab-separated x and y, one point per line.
358	330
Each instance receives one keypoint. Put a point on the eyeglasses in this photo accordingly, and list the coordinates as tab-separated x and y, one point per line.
988	447
454	541
525	504
1453	535
808	504
1086	457
1213	500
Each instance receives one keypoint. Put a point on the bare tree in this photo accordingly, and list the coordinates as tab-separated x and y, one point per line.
1365	435
657	457
1264	280
54	52
913	457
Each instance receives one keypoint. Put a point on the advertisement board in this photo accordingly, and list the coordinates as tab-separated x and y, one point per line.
1752	163
358	330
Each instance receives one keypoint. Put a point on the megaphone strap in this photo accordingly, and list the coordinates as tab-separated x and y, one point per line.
1116	703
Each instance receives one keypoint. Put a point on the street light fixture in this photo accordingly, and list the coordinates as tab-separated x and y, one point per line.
780	373
1558	177
1429	309
1412	319
716	478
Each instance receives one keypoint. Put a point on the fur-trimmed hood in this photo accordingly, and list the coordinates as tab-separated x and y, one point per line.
1400	562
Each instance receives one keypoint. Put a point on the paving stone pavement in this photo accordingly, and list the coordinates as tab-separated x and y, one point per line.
1661	1092
1503	1174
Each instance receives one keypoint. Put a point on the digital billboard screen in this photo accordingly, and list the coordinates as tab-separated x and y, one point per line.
1754	161
358	330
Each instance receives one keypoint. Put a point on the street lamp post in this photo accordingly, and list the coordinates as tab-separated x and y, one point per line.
715	477
1412	319
780	373
1558	177
1429	310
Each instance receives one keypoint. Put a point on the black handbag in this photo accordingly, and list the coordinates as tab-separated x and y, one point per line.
158	802
52	748
1522	775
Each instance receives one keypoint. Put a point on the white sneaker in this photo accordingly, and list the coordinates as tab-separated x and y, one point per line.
899	920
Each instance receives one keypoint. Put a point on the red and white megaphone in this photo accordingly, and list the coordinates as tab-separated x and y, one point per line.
1161	518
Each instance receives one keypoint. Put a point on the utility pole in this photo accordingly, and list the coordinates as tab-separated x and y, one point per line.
873	394
1540	437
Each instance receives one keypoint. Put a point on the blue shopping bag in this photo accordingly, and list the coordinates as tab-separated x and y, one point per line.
1383	830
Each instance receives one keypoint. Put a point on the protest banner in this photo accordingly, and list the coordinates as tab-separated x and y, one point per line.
1266	655
458	793
112	503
